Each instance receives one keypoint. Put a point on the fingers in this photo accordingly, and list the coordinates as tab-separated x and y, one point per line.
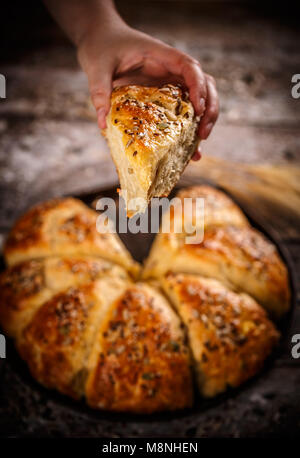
100	83
197	154
100	93
211	111
99	68
202	88
190	71
195	81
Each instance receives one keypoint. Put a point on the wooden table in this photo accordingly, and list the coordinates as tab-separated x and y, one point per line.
50	145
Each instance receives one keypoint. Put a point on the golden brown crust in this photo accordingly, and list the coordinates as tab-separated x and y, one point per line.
151	132
85	329
141	363
219	209
27	285
27	231
53	344
63	227
58	340
245	259
229	334
140	114
240	257
18	285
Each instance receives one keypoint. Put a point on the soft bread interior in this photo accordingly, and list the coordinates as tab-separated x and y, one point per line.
171	166
151	133
166	175
130	185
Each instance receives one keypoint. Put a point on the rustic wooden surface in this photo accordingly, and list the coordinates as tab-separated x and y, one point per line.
50	145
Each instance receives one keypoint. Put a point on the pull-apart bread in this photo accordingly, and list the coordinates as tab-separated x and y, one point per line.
219	209
151	133
140	361
79	321
27	285
230	251
97	341
64	227
229	334
85	327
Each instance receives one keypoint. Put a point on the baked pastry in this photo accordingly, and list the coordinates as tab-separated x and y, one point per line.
64	227
69	301
229	334
241	258
237	255
184	218
151	133
119	345
27	285
59	338
140	362
219	209
80	323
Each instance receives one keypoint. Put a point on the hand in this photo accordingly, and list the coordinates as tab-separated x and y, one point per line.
126	56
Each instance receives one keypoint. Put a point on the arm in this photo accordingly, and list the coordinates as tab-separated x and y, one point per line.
112	53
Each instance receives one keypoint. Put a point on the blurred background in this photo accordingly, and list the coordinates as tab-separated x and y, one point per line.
50	145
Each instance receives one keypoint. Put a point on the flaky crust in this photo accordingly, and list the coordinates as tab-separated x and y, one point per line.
58	340
244	259
219	209
84	328
237	255
141	362
144	125
229	334
26	286
241	258
100	343
144	116
64	227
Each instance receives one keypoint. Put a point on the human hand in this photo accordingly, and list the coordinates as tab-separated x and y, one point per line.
123	55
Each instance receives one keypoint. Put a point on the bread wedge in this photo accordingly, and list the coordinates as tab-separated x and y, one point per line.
229	334
151	133
64	227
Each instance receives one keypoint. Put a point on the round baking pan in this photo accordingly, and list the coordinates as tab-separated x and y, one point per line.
125	424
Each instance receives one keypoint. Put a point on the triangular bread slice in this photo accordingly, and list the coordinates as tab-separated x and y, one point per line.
151	133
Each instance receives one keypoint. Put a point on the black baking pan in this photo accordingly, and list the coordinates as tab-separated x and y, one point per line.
124	424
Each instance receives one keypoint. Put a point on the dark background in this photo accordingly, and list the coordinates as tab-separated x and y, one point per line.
50	145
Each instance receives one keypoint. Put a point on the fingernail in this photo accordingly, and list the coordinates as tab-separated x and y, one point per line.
101	118
201	105
196	156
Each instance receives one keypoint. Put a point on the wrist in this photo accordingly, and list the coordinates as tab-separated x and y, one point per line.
101	41
102	24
